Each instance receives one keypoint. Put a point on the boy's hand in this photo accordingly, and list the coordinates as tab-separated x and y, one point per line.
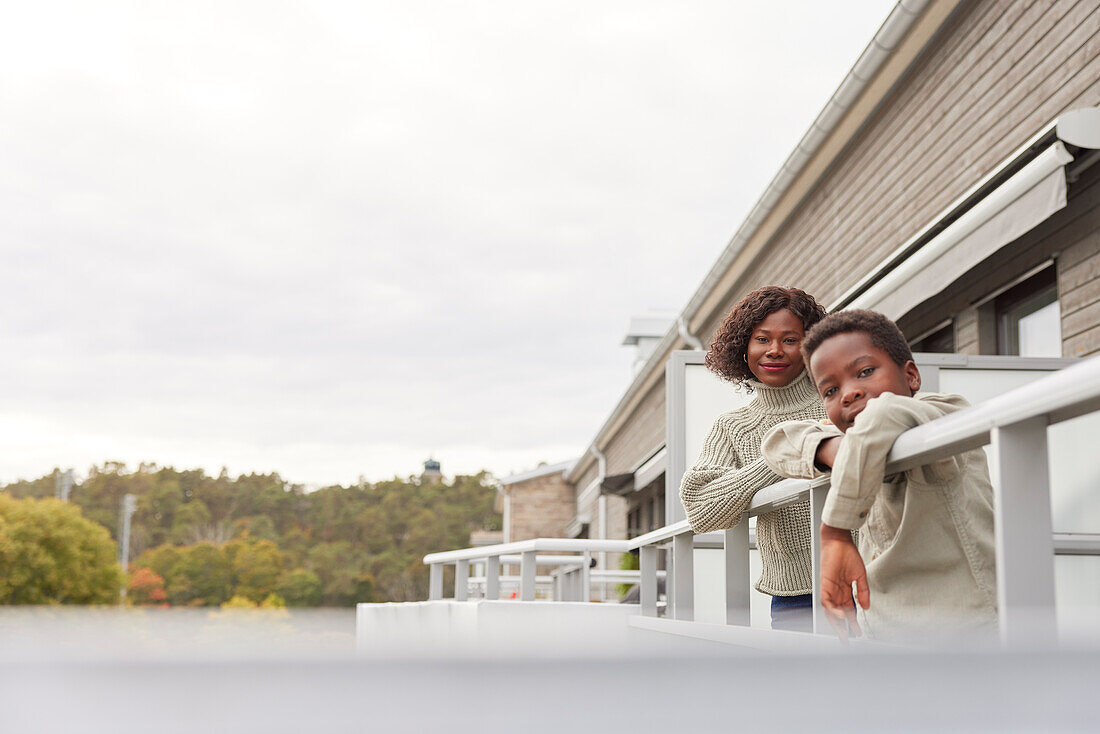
826	452
840	566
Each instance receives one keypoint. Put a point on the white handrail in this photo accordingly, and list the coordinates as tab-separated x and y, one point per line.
1014	423
536	545
1058	397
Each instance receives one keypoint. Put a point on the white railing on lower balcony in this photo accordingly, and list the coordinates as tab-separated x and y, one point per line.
1013	424
530	553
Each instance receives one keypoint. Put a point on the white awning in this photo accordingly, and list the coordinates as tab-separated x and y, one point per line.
652	468
1015	207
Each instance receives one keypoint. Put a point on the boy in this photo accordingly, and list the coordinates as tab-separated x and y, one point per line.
925	562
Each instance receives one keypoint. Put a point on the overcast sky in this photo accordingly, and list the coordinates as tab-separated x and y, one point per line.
330	239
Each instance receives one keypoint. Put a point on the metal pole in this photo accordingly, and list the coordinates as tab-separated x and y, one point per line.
586	577
818	493
647	561
435	581
1024	534
682	553
462	580
737	573
527	576
129	505
492	577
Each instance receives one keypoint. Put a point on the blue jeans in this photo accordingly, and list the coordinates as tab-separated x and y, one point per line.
793	613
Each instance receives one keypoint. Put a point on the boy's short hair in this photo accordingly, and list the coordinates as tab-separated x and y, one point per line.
883	333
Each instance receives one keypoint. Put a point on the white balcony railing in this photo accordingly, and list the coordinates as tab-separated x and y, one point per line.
1013	424
531	553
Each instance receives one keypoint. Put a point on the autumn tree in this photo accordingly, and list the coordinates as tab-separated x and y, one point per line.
146	587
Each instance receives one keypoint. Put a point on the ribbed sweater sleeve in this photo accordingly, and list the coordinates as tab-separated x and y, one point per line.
718	489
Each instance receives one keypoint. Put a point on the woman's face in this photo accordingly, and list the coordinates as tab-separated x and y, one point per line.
772	353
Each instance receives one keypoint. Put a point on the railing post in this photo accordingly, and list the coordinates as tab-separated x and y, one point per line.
527	576
818	493
586	578
737	573
492	577
647	581
684	581
462	580
1024	533
435	581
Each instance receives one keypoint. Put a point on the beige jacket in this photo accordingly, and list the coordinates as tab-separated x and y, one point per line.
926	535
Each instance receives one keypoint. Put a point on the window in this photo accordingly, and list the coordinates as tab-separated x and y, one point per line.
940	339
1029	320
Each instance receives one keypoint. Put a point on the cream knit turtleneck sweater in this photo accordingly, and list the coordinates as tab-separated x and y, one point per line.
730	471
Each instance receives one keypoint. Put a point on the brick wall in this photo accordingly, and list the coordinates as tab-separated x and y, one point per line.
540	507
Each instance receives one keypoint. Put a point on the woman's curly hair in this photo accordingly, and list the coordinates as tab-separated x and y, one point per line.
726	357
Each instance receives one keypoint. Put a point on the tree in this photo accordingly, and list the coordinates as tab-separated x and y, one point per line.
161	560
146	587
51	554
257	566
345	544
191	523
201	576
239	602
273	601
300	588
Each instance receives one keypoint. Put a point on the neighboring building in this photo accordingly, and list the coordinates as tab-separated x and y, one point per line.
481	538
936	187
537	503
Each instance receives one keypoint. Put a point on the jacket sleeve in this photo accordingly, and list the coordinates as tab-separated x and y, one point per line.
859	469
716	491
790	448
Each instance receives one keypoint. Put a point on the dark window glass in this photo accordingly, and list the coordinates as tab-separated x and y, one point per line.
941	340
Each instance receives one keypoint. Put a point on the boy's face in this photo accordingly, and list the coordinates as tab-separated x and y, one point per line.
849	370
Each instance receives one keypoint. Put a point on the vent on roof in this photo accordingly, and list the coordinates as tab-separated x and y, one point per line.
644	334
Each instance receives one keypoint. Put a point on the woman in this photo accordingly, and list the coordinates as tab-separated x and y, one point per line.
757	347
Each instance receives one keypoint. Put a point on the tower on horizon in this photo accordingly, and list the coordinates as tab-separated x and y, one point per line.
432	472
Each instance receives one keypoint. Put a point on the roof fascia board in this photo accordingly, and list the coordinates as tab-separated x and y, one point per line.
906	31
541	471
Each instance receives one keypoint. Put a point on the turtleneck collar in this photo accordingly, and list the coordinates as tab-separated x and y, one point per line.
790	398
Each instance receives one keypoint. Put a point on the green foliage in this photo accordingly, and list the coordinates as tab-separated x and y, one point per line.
627	562
202	576
213	538
191	523
301	588
239	602
273	601
51	554
257	567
